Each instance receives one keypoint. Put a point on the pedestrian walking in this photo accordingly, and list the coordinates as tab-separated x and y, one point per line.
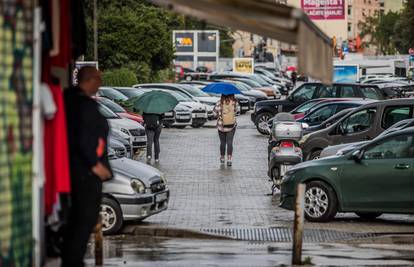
153	127
89	165
294	78
225	111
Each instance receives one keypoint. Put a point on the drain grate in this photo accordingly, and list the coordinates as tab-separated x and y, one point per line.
285	234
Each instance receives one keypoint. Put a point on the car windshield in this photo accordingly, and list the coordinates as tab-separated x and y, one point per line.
112	94
111	105
130	93
194	91
259	80
305	107
179	96
249	82
107	113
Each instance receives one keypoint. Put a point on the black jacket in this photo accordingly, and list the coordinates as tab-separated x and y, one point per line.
87	133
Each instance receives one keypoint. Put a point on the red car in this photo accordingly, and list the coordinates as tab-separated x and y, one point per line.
120	111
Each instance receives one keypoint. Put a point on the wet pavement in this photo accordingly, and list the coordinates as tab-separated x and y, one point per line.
206	194
131	251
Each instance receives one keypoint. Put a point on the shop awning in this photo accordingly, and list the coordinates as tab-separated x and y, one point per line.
266	18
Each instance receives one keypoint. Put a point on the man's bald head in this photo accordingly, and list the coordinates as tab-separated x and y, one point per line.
89	80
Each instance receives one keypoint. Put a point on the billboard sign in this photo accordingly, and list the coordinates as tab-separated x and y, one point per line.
78	66
324	9
184	42
243	65
346	73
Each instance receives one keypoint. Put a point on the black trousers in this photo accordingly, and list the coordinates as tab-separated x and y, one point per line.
86	199
226	139
153	137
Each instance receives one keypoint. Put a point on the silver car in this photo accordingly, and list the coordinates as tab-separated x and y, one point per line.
136	192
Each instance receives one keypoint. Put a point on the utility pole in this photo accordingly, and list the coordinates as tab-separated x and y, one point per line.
95	30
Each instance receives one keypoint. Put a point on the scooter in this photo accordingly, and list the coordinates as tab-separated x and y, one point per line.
284	150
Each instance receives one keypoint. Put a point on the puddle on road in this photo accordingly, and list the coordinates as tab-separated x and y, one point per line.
131	251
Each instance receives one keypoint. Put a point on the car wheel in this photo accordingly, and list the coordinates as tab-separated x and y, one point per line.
111	215
321	204
368	215
261	122
315	155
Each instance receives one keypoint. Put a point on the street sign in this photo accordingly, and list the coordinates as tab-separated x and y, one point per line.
243	65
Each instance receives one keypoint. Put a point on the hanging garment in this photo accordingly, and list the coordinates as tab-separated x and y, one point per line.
56	158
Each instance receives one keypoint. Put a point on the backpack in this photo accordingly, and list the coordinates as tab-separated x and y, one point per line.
152	121
228	115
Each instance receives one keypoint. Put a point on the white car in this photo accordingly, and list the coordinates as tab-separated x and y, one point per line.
198	110
181	117
133	129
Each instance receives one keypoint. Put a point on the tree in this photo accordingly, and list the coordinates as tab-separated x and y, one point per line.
403	29
119	77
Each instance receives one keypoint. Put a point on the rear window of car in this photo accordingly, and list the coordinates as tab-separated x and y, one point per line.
393	115
370	92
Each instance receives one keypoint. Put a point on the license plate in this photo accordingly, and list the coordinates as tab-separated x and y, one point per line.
161	197
140	139
168	114
244	108
183	117
203	115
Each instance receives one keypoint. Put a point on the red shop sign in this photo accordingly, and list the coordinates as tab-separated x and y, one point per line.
324	9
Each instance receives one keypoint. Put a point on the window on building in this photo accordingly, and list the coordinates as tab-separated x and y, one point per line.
349	10
349	27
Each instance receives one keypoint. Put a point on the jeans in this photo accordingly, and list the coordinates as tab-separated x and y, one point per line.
153	137
226	139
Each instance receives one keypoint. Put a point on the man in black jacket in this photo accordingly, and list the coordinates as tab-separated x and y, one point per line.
89	165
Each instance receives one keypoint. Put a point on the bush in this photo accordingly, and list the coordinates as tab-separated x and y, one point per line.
119	77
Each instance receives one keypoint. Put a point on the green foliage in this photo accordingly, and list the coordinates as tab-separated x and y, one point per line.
137	35
391	32
404	29
119	77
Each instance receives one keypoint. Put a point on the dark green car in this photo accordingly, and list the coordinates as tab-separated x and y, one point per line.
370	180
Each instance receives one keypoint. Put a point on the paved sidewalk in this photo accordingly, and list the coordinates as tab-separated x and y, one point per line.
205	194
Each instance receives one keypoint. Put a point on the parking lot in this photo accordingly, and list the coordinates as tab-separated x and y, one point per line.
207	195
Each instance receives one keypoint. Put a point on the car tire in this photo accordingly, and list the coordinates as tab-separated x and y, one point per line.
368	215
111	215
321	203
261	119
315	154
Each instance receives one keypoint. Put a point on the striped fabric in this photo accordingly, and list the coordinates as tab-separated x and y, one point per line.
217	113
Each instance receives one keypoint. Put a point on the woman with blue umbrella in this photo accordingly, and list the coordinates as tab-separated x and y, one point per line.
225	112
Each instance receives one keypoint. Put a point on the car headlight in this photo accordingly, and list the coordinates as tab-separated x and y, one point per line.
138	186
164	179
304	138
125	131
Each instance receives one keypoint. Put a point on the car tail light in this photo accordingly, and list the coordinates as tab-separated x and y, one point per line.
287	144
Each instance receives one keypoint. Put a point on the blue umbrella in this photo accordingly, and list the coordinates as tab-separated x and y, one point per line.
221	88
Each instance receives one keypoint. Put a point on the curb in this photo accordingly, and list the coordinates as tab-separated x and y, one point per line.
169	232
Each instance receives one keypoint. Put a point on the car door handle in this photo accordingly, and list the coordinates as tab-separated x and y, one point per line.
402	166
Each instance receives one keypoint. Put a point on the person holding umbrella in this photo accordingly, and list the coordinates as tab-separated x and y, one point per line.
225	111
152	105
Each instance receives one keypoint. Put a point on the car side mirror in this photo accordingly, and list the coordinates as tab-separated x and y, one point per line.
357	155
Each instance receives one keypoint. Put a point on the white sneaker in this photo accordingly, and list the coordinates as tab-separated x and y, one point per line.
148	159
157	161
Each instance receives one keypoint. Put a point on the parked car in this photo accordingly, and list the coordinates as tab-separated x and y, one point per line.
133	93
119	110
135	130
190	91
363	123
136	192
198	111
253	95
345	148
326	109
328	122
265	110
300	111
373	179
112	94
120	142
